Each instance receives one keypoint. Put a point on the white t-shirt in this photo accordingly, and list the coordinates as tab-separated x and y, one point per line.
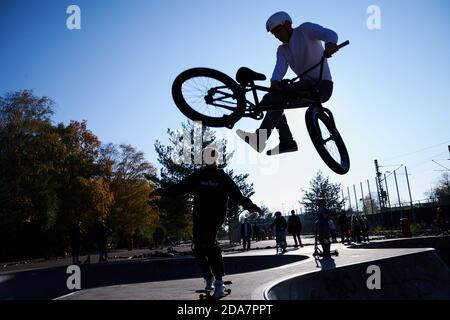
304	50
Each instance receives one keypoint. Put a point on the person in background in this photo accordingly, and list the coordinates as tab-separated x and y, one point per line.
295	228
246	234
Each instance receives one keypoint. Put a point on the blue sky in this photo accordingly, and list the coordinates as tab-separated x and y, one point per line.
391	94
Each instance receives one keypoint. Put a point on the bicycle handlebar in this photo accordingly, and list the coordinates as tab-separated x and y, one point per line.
343	44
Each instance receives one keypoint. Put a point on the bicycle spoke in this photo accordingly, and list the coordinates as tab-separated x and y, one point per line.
221	100
328	140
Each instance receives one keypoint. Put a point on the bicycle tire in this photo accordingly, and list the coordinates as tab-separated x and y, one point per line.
314	115
233	98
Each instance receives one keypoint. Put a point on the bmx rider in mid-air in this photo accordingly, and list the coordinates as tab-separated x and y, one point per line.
301	47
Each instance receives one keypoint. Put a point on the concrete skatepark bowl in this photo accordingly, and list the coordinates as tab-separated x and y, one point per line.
424	274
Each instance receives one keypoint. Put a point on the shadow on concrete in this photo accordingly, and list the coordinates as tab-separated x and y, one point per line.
325	263
51	283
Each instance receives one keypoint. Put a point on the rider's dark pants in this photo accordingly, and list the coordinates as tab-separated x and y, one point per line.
246	243
206	250
277	119
296	235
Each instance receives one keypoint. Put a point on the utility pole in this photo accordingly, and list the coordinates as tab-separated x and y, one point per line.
362	198
370	196
349	201
396	185
381	195
387	191
356	198
409	189
378	193
410	198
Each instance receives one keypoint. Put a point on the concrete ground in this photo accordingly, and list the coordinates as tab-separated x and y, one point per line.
246	286
252	272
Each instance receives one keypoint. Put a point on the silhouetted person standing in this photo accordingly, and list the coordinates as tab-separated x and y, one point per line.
295	228
211	188
255	232
323	227
75	241
365	229
441	220
102	232
356	229
343	226
246	233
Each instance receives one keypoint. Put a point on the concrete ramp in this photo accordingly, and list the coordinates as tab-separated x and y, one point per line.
421	275
51	283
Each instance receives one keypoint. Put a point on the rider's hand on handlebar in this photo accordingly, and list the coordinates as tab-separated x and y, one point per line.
330	48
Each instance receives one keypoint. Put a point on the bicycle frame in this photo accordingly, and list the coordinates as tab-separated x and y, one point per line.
255	110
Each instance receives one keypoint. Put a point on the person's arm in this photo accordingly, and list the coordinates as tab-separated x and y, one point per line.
284	223
279	71
236	194
182	187
317	32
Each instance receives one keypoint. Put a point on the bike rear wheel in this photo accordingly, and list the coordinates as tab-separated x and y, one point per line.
327	140
210	96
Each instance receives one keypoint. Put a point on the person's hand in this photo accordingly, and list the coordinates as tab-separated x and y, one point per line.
330	49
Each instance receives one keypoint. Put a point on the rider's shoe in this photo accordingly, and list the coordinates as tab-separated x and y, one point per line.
284	146
252	139
209	284
219	289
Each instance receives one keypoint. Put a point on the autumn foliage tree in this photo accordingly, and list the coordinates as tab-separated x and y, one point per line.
133	214
53	176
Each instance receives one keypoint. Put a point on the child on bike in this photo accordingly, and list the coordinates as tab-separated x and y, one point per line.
280	230
301	47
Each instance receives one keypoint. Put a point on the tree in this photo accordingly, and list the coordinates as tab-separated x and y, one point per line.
53	176
29	186
441	192
321	187
371	203
132	212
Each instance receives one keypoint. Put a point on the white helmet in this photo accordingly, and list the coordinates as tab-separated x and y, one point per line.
277	19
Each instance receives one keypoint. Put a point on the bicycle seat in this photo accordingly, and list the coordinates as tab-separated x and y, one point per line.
245	75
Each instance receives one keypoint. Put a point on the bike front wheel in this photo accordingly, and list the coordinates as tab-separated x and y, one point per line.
209	96
327	140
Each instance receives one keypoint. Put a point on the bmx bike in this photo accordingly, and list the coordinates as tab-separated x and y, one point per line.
281	243
217	100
